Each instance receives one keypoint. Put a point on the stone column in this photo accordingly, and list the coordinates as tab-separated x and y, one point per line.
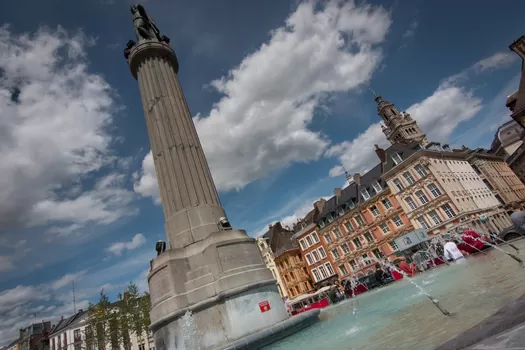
207	289
191	204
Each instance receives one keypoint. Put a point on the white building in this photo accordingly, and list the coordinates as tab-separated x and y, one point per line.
267	254
70	334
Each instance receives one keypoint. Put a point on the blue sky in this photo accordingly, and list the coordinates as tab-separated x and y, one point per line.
279	94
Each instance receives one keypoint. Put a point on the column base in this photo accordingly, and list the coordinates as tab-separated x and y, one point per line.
235	323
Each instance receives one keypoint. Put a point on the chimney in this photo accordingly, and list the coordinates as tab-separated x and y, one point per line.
319	205
381	154
337	192
357	179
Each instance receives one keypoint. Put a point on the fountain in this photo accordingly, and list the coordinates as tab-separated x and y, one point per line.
399	315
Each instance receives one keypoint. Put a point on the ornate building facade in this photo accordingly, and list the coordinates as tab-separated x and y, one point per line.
268	258
313	248
361	221
293	270
439	189
498	176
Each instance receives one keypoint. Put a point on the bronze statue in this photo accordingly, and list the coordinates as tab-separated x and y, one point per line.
145	28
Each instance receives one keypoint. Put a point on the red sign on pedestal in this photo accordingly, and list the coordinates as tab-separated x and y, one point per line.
264	306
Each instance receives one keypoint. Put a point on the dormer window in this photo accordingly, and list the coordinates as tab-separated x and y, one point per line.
341	211
330	218
396	158
376	186
322	224
351	204
303	224
365	194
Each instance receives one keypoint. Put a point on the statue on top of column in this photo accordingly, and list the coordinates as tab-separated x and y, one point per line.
145	28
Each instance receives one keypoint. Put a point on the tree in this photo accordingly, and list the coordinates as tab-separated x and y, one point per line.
99	315
134	314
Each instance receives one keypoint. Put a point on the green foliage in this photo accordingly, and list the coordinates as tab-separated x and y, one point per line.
112	324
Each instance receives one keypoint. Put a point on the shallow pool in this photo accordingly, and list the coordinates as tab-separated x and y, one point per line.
399	316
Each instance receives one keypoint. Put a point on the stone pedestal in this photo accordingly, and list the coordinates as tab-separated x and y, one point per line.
210	270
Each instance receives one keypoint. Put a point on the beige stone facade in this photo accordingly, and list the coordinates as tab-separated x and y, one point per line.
439	189
267	255
499	178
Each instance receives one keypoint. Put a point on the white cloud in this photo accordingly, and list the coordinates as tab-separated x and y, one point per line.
118	248
499	60
262	121
438	116
54	134
146	183
411	31
67	280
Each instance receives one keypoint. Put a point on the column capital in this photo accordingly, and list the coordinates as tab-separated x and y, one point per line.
151	48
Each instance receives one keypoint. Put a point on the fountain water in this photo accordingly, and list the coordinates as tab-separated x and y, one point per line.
190	332
405	275
399	315
509	244
520	262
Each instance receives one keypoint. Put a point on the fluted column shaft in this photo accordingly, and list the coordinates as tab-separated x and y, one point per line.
183	174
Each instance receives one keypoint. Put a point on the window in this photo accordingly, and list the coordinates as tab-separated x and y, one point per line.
337	233
321	224
357	242
369	237
353	264
365	258
348	226
315	237
309	241
420	169
303	246
359	220
315	255
351	204
322	270
393	245
422	197
424	224
396	158
376	186
329	268
448	210
292	275
374	210
328	238
398	184
321	251
435	217
386	203
408	177
341	211
384	228
335	253
77	336
343	270
411	203
434	190
365	194
397	221
316	275
345	248
330	218
378	253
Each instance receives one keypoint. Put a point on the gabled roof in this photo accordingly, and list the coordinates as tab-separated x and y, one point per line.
279	238
68	322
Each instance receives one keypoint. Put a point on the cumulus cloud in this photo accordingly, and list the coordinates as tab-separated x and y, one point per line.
145	180
54	134
269	100
438	116
411	31
118	248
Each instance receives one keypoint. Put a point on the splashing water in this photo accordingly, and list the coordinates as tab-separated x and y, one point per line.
520	262
405	275
190	332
